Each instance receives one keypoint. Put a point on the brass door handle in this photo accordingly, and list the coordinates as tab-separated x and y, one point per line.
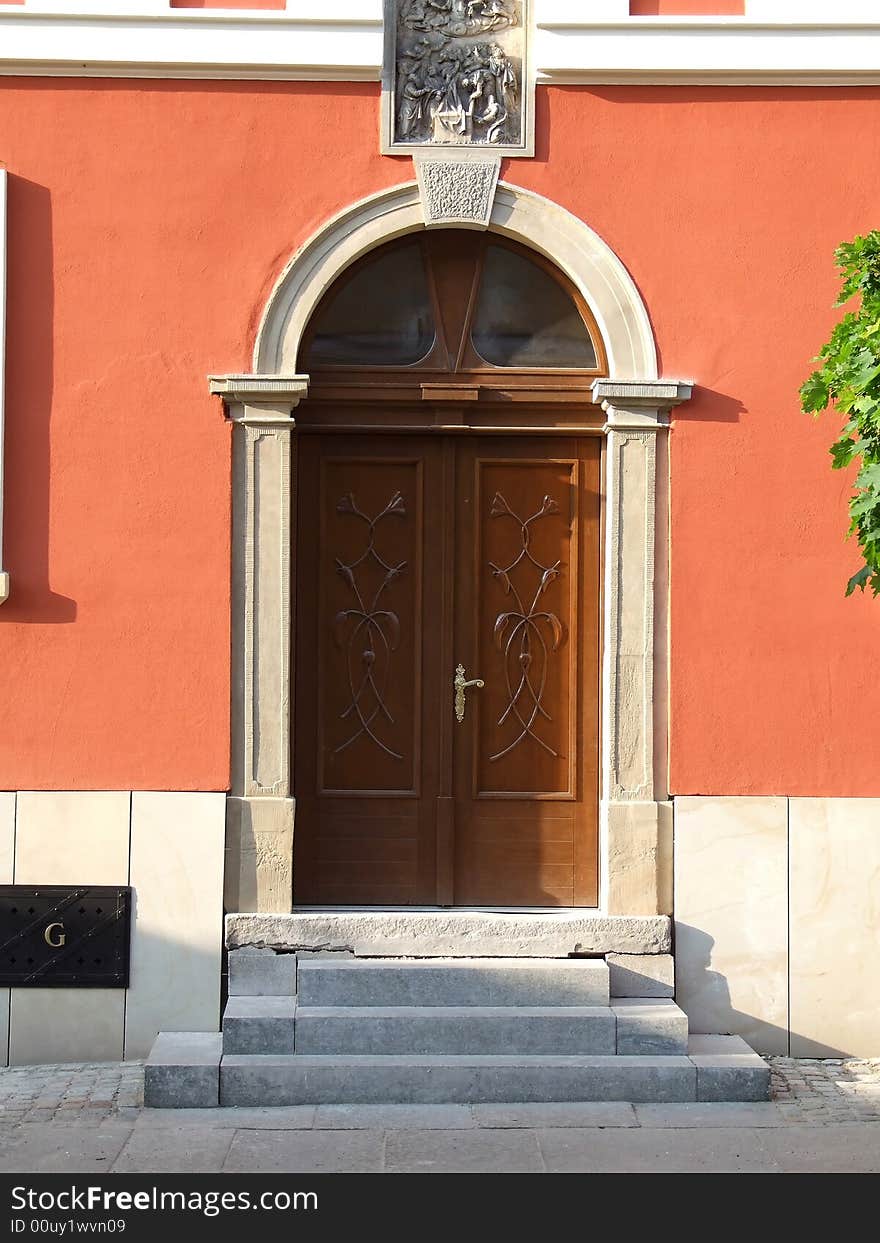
461	683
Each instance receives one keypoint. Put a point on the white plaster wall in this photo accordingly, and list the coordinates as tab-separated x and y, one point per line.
169	847
777	922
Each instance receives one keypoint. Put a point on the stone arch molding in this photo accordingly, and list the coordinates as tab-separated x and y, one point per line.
519	214
635	852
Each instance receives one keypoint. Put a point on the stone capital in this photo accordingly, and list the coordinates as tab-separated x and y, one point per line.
260	400
641	405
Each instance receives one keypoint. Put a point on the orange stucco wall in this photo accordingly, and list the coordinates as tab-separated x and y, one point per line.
147	222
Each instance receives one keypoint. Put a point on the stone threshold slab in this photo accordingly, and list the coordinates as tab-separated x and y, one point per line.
451	934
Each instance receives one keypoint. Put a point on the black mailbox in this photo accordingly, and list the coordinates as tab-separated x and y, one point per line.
64	936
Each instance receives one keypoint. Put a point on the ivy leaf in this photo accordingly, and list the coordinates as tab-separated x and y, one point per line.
814	394
859	580
848	380
842	453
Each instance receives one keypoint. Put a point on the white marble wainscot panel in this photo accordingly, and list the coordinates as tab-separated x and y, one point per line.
731	916
69	838
7	861
177	851
834	927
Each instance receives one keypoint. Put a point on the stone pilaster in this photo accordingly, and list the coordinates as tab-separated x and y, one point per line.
635	813
260	808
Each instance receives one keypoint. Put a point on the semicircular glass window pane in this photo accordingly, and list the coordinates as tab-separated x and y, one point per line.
380	317
524	318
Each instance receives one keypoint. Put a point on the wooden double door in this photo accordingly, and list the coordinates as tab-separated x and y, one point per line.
417	554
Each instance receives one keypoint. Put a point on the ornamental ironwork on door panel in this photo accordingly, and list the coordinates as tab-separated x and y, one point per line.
526	635
367	633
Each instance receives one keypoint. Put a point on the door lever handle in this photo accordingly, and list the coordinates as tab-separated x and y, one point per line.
461	683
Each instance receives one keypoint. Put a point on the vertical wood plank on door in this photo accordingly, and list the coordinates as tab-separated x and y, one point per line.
368	598
527	620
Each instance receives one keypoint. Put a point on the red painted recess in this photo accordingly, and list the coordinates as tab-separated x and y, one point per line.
687	8
226	4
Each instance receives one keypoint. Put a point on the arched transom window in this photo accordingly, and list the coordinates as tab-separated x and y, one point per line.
448	315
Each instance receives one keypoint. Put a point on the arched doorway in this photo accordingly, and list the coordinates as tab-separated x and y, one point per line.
264	408
448	518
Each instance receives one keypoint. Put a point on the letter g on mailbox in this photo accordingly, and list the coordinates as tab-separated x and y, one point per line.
54	935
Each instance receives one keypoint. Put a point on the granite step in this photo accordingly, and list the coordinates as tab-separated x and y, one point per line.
187	1069
453	982
259	1025
647	1025
256	1025
455	1030
376	1079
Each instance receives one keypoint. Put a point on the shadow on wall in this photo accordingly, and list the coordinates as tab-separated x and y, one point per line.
706	1000
709	406
29	384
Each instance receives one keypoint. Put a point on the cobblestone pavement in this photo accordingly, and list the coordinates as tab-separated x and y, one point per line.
825	1091
823	1117
68	1093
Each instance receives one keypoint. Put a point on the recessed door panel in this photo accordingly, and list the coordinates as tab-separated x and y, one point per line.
526	764
369	675
415	554
366	793
524	575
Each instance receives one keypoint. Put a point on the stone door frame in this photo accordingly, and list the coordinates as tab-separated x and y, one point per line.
635	863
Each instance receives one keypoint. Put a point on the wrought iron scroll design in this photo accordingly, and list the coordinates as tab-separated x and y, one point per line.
527	635
367	633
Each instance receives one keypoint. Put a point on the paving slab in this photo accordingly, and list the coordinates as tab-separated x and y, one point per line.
836	1149
463	1152
737	1114
174	1152
279	1118
305	1152
56	1148
562	1114
393	1117
656	1151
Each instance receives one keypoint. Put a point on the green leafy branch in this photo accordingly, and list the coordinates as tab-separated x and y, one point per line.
849	380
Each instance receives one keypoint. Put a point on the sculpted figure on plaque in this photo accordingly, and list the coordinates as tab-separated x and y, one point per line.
458	17
455	93
458	70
